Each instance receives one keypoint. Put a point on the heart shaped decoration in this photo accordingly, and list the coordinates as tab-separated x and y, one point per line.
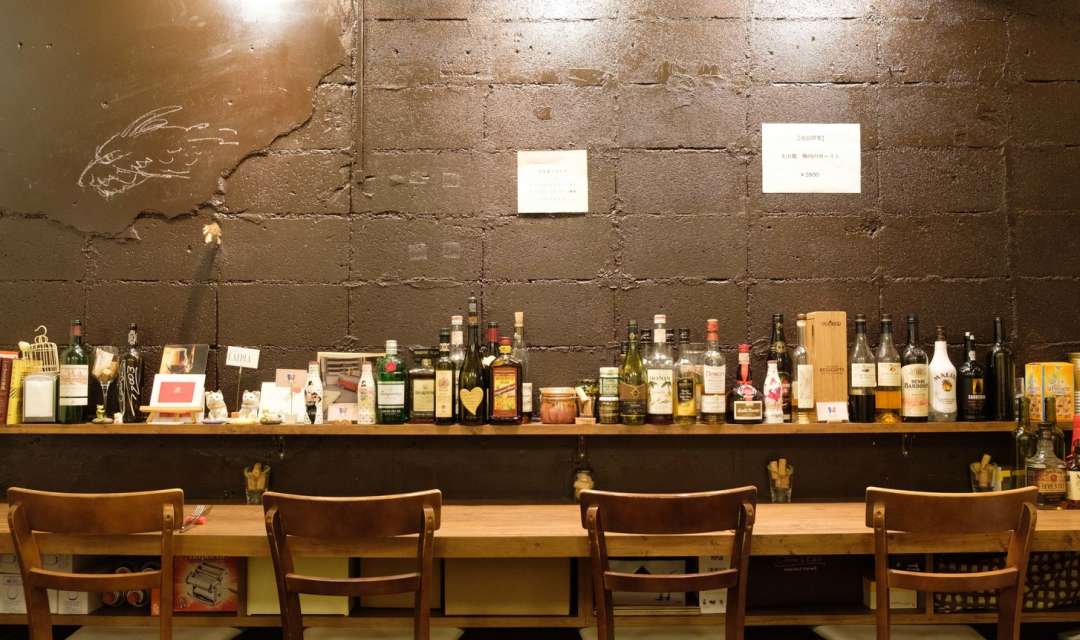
471	398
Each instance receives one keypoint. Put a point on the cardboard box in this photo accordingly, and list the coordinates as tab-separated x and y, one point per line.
713	600
898	598
262	596
202	584
78	603
1055	379
826	345
371	567
507	586
648	566
13	598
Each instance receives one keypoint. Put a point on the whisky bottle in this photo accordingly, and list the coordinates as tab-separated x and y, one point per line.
74	379
685	382
914	377
863	376
942	381
313	394
457	355
971	401
422	387
802	383
772	389
633	383
390	386
778	352
744	401
445	373
660	372
471	394
504	394
887	392
1000	372
713	376
1045	470
365	395
130	378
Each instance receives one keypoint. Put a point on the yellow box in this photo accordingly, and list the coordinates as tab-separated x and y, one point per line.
370	567
262	596
1055	379
898	598
507	586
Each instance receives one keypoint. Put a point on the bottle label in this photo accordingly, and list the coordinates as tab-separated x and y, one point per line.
746	410
687	405
888	374
504	390
390	394
863	375
1050	481
527	398
609	387
659	336
943	396
423	396
632	398
471	400
974	397
660	383
713	403
444	394
804	390
365	404
1073	490
713	379
74	385
130	380
457	338
914	390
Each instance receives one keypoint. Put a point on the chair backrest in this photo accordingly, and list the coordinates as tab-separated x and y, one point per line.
91	514
949	513
664	513
317	519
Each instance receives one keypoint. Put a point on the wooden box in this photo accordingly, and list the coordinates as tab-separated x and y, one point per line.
370	567
507	586
826	345
262	596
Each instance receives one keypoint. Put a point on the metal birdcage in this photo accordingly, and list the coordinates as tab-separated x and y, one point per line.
44	351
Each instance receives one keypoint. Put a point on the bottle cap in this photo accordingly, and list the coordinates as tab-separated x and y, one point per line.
505	341
744	348
456	320
660	318
712	324
519	318
391	346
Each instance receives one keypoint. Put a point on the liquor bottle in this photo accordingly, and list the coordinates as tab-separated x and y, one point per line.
491	350
645	344
313	394
365	395
520	353
887	393
422	387
778	352
633	383
445	372
1024	439
942	381
390	386
802	383
773	391
914	377
685	382
471	400
74	379
1000	371
1045	470
660	372
863	375
504	394
971	400
130	378
1072	477
457	356
745	405
713	376
620	359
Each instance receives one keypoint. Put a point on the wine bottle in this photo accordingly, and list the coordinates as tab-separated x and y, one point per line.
130	378
1000	372
914	377
390	386
457	356
887	392
471	394
942	381
971	401
713	376
74	379
802	384
685	383
778	352
660	372
863	376
633	381
444	381
745	405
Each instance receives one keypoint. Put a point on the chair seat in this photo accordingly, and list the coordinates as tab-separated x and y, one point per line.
898	632
152	633
1071	634
399	633
661	633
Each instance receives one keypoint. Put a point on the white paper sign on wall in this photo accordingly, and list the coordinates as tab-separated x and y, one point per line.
811	158
553	181
242	357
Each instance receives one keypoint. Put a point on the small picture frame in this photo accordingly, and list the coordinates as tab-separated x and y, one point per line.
177	391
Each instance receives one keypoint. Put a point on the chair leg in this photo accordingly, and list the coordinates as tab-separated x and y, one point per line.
882	618
39	616
1010	603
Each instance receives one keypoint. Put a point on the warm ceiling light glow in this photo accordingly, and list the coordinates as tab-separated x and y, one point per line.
261	10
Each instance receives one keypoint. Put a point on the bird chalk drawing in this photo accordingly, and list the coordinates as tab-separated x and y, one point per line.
150	148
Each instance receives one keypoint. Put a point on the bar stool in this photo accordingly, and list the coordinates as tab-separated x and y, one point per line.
90	515
604	512
948	514
316	520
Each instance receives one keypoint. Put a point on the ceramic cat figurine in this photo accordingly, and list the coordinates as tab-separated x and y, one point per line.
216	410
249	406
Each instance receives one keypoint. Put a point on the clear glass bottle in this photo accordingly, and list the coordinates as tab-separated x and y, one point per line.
457	356
365	395
971	385
887	392
942	381
1045	470
863	368
1072	478
685	382
914	377
660	372
520	353
645	344
445	373
633	381
504	394
313	394
773	391
130	379
802	382
1024	438
422	387
472	399
74	392
390	386
713	376
1000	372
778	351
744	401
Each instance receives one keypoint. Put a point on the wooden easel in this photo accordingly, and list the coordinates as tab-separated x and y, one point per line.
194	412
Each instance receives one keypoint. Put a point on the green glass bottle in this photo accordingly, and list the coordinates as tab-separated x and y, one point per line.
445	373
471	390
633	383
390	386
74	379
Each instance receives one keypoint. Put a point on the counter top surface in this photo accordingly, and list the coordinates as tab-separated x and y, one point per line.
491	531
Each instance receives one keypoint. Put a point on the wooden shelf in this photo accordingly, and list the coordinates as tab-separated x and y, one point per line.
534	429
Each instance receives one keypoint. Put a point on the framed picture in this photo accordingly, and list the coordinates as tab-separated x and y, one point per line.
184	358
341	375
177	390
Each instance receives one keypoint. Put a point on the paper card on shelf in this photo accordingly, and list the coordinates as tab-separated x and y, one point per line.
832	412
553	181
242	357
713	600
811	158
342	412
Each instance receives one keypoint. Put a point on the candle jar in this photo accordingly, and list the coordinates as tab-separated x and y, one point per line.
558	405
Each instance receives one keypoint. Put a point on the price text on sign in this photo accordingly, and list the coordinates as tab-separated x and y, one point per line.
242	357
811	158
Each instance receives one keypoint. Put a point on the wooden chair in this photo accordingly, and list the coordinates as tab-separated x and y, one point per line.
94	514
316	519
954	514
605	512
